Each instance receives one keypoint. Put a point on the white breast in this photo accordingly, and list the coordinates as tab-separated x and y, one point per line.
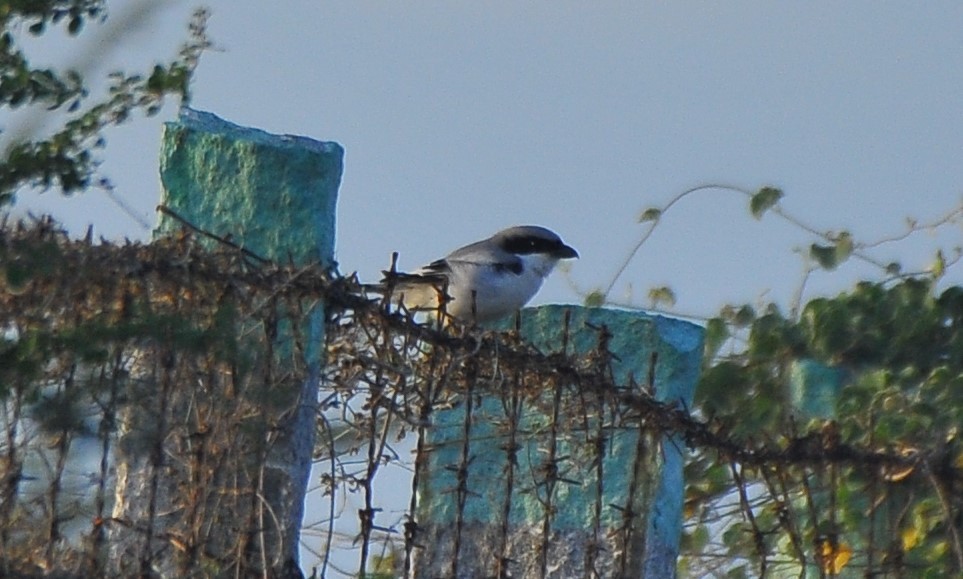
498	292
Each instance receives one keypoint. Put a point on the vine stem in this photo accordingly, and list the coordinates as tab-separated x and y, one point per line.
858	248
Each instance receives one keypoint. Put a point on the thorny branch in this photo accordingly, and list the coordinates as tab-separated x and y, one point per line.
386	374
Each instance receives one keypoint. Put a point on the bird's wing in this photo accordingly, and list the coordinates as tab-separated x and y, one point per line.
435	273
439	267
439	271
481	253
420	289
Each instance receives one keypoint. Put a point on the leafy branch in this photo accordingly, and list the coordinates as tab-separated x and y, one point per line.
885	355
66	158
828	251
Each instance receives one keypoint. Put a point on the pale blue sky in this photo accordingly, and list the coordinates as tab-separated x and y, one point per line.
460	118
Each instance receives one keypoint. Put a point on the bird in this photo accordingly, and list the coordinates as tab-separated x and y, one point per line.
486	280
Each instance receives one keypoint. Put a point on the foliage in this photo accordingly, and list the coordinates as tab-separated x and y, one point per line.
770	489
877	367
105	344
829	250
896	348
66	158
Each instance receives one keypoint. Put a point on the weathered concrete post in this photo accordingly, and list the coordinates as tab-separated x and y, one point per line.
611	509
274	195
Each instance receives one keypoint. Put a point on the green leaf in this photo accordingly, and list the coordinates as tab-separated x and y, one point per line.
698	539
763	200
650	214
594	299
844	246
740	316
662	296
772	335
830	256
938	267
722	388
824	255
17	276
717	332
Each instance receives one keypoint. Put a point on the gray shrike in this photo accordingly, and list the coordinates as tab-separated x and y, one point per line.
486	280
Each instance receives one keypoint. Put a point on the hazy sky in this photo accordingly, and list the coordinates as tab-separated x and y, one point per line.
460	118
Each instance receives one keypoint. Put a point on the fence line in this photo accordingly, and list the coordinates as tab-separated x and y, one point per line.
86	326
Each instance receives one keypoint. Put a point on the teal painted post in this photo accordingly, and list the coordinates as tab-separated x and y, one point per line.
274	195
815	388
611	513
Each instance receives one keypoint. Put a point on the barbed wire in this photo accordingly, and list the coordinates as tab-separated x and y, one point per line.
91	330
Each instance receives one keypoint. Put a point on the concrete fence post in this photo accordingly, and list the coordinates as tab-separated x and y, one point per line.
610	509
275	196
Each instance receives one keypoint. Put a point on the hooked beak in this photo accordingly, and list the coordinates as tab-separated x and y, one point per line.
566	252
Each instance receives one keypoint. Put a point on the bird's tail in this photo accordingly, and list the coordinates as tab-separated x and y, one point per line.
413	292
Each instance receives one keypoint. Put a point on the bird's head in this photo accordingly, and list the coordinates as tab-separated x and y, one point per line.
540	247
532	239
